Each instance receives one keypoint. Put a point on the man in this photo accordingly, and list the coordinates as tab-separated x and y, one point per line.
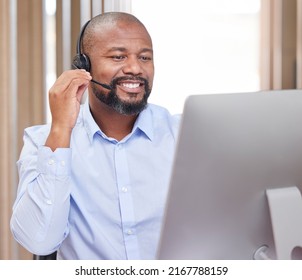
93	184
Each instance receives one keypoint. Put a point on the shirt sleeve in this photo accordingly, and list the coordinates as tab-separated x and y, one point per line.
39	220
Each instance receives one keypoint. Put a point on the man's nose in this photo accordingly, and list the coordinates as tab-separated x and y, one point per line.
132	66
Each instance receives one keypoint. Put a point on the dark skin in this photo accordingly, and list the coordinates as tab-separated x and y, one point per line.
121	49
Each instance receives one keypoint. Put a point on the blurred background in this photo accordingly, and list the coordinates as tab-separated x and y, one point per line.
200	47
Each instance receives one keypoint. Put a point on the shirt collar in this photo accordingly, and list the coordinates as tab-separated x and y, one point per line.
143	123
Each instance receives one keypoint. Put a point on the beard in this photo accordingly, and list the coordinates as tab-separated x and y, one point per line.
123	107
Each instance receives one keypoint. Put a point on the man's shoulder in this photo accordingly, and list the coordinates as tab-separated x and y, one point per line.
164	119
161	113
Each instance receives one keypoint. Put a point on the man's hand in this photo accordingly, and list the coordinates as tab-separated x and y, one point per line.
64	100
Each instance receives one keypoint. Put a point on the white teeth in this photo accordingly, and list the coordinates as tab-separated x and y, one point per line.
130	85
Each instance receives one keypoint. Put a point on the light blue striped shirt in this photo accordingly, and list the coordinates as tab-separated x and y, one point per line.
100	198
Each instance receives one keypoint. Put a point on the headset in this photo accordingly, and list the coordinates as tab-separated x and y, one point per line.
81	60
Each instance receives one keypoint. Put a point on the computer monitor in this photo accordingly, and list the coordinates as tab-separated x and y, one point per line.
236	180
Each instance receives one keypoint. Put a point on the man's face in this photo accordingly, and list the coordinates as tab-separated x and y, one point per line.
123	57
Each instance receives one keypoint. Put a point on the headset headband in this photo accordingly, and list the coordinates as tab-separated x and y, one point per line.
79	43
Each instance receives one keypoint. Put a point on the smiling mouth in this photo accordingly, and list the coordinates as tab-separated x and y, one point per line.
131	85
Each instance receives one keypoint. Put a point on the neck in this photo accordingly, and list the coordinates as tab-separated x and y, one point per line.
112	123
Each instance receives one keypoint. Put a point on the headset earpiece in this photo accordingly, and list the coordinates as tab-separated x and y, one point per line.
81	61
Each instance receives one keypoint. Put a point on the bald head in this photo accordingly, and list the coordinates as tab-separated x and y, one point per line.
104	21
113	18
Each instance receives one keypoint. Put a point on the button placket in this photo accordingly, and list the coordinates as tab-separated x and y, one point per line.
126	201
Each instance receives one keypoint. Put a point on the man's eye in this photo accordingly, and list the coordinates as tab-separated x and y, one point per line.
118	57
145	58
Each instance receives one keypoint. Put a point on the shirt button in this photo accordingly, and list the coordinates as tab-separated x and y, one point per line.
63	163
48	201
51	162
124	189
129	232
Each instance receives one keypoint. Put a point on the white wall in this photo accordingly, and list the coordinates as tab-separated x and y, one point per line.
201	46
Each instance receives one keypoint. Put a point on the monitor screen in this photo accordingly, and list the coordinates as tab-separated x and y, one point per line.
236	180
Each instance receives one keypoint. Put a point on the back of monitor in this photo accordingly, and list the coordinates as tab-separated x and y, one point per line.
231	149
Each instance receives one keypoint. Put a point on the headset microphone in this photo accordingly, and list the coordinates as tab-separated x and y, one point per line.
101	84
82	61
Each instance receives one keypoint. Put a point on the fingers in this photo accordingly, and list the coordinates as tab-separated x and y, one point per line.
72	79
65	96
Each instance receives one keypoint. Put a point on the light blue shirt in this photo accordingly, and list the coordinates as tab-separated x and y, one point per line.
100	198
